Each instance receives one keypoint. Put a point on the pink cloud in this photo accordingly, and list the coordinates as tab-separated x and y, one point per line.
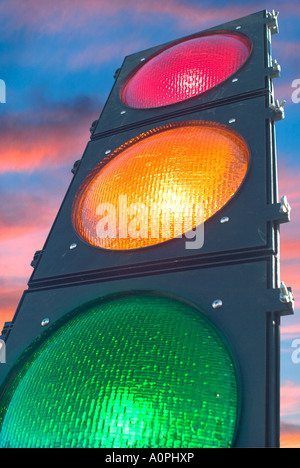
290	399
290	274
15	258
290	331
10	295
288	182
283	91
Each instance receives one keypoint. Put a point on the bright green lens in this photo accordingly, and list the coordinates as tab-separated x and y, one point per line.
138	371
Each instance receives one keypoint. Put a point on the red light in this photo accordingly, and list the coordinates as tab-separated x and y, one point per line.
186	69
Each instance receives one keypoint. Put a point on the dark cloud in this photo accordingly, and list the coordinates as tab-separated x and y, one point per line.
49	134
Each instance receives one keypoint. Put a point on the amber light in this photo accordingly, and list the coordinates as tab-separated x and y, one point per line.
186	69
129	198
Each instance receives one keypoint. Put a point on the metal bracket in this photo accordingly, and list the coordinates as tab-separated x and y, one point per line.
277	110
75	166
286	296
275	70
279	212
36	258
93	126
285	206
280	300
7	327
117	72
273	21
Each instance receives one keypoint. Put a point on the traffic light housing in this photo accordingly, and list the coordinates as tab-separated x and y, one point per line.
133	335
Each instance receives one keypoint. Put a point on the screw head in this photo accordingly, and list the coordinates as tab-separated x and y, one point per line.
217	304
73	246
45	322
232	121
123	112
223	220
107	151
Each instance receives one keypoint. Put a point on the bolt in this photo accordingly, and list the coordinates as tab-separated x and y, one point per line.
45	322
217	304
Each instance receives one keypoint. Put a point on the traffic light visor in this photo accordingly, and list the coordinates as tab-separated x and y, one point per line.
186	69
160	185
136	371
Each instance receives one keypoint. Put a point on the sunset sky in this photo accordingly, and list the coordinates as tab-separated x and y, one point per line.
58	59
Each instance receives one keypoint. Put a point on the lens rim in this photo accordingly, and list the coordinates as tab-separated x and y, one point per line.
19	368
219	32
76	219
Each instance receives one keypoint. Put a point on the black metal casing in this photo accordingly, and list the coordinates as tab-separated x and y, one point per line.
238	263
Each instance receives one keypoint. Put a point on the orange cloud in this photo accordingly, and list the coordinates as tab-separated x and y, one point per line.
290	399
290	249
289	436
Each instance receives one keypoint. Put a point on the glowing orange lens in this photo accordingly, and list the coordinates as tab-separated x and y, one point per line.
160	185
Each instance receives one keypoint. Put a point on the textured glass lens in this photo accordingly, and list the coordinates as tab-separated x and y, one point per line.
160	185
137	371
186	70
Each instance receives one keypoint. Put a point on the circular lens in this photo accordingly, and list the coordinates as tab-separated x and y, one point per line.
185	70
138	371
160	185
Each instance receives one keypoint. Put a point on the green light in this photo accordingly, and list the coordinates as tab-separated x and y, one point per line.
136	371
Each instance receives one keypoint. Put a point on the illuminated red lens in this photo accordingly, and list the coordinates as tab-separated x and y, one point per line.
186	70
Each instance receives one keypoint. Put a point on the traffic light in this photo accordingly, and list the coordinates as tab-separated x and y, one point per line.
152	315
